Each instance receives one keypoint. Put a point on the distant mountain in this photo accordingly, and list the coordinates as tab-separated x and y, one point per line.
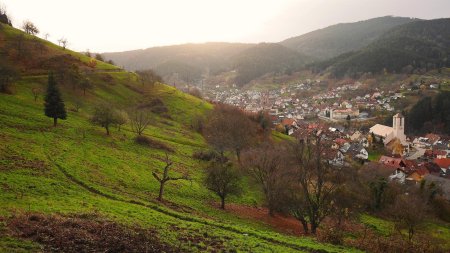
341	38
189	61
266	58
347	48
419	45
213	57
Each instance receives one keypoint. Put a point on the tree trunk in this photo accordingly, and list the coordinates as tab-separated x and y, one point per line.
313	228
222	203
84	92
410	234
55	121
238	155
161	191
305	225
107	130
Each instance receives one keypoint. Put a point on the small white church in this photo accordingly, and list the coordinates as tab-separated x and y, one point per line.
387	134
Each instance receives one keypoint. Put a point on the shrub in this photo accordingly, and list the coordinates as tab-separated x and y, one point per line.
107	78
197	123
154	102
152	143
195	92
204	155
442	208
160	109
331	235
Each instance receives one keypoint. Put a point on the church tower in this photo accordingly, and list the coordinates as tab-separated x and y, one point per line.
398	124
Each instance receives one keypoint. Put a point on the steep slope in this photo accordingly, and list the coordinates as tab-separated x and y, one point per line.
341	38
266	58
189	62
416	46
214	57
75	170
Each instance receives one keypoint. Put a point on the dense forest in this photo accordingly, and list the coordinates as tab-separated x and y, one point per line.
379	45
342	38
266	58
430	114
415	47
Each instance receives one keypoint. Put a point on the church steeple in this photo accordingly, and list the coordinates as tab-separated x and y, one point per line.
398	124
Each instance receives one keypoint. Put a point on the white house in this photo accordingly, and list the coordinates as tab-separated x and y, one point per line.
398	175
387	134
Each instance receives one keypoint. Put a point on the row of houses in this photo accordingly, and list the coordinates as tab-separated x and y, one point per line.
426	158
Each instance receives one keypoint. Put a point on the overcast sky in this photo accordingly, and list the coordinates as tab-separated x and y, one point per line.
117	25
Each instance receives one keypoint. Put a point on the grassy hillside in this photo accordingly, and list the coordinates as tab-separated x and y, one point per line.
73	174
341	38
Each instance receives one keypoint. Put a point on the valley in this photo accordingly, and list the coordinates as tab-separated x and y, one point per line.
337	140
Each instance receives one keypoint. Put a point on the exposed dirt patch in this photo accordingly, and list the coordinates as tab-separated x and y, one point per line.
84	234
284	224
152	143
12	161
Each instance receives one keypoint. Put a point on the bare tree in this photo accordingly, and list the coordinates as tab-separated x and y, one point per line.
164	177
30	28
139	120
63	43
36	91
223	180
122	118
46	36
77	104
266	166
317	182
99	57
149	77
85	84
88	53
228	128
409	212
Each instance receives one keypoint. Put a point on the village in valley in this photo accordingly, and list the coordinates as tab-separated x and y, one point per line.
350	124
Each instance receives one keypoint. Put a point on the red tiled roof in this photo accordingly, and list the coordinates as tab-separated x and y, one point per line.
288	122
391	161
443	163
422	171
340	141
410	164
433	137
434	153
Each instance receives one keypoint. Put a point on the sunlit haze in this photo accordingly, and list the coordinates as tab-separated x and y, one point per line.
105	25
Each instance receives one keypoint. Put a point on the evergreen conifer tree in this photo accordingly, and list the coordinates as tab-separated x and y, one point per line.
54	105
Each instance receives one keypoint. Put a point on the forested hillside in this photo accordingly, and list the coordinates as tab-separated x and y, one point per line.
189	58
341	38
411	48
266	58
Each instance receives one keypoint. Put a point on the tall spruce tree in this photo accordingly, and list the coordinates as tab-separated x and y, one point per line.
54	105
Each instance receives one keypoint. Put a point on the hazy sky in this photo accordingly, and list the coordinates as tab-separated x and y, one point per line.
117	25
